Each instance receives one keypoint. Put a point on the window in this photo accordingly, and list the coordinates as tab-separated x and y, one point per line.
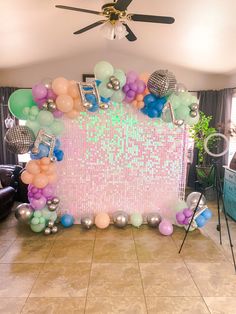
232	143
23	158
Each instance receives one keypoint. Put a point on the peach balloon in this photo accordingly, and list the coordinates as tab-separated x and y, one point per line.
102	220
52	178
139	97
134	103
144	77
45	161
140	104
60	86
78	105
32	167
72	114
64	103
44	167
73	90
51	169
26	177
40	181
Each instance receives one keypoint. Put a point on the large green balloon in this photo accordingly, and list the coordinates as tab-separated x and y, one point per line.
103	70
18	101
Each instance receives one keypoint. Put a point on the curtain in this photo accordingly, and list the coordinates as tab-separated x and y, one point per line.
218	104
6	157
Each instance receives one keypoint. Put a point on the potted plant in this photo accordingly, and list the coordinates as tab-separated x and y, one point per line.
199	132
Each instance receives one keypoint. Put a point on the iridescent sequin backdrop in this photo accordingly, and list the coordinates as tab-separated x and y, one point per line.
120	159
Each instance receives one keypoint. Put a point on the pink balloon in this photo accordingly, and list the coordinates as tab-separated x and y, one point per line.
37	195
38	204
131	77
141	86
57	113
131	94
34	189
165	227
51	94
186	221
180	217
133	86
39	91
187	212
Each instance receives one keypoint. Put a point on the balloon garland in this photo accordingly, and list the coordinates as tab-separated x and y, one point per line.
157	95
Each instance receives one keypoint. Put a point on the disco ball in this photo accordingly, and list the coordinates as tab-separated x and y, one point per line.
161	83
19	139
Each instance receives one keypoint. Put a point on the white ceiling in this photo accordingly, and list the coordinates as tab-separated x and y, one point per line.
202	38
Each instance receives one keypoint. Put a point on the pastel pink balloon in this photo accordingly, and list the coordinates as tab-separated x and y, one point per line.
37	195
38	204
48	191
57	113
51	94
141	86
187	212
186	221
64	103
180	217
102	220
39	91
165	227
133	86
131	77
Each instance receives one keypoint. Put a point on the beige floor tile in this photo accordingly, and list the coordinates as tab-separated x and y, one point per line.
54	306
221	305
8	234
145	232
176	305
71	251
214	279
76	232
17	279
27	251
116	305
196	235
113	232
115	279
4	246
167	279
157	251
62	280
11	305
113	250
201	251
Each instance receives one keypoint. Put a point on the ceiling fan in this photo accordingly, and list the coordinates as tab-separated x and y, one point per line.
115	13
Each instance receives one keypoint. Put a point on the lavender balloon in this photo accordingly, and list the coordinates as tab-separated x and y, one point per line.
38	204
48	191
165	227
51	94
39	91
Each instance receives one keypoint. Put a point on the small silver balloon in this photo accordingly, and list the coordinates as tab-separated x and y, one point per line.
112	78
87	222
87	105
47	231
193	113
104	105
116	87
50	223
178	122
45	106
52	207
109	85
52	106
120	219
194	107
49	202
54	229
116	82
153	220
193	198
56	200
24	212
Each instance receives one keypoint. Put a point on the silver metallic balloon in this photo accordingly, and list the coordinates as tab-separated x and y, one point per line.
161	83
56	200
153	220
54	229
104	105
113	78
109	85
194	107
24	212
52	106
47	231
178	122
19	139
52	207
116	87
193	198
87	105
50	223
120	219
193	113
87	222
49	202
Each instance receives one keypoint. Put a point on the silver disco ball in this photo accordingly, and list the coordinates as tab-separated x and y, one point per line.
161	83
19	139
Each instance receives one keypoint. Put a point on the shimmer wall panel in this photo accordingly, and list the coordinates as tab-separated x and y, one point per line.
120	159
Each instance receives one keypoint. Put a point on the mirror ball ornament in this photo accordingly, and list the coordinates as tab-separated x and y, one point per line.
87	222
153	219
161	83
120	219
24	212
193	198
19	139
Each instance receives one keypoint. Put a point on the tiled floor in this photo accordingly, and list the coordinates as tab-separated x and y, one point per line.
115	271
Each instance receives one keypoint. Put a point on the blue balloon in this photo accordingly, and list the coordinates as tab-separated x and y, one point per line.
98	82
200	221
57	144
91	98
152	113
207	214
105	100
59	154
149	98
67	220
43	152
94	108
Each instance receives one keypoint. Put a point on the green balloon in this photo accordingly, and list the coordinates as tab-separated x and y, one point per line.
175	100
33	125
45	118
104	91
57	127
182	112
38	228
103	70
118	96
120	75
18	101
136	219
191	121
35	221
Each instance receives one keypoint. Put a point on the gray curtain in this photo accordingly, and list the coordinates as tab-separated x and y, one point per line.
6	157
215	103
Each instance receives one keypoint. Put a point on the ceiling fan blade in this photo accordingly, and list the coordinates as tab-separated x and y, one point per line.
130	36
151	18
77	9
122	5
87	28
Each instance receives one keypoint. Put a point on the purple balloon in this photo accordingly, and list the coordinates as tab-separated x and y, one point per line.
165	227
180	217
34	189
57	113
38	204
131	77
131	94
186	221
51	94
141	87
48	191
40	102
128	99
126	88
30	194
187	212
37	195
133	86
39	91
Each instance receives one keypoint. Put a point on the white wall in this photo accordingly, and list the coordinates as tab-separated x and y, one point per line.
74	67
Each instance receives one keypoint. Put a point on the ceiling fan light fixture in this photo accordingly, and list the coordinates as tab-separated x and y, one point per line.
120	30
113	31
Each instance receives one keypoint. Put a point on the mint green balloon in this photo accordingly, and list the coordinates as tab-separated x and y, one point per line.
120	75
18	101
38	228
182	112
45	118
35	221
103	70
174	100
57	127
136	219
48	215
191	121
118	96
104	91
179	205
33	125
37	213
